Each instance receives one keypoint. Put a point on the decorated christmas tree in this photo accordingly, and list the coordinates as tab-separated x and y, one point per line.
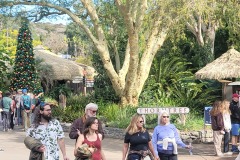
25	75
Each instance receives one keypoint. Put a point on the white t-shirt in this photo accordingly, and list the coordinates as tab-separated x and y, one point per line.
227	122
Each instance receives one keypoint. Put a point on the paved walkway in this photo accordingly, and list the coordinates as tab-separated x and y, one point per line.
13	148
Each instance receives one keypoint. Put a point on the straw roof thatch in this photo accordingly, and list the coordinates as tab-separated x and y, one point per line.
226	66
62	69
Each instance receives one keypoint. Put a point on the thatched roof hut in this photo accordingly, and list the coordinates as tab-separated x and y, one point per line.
226	66
62	69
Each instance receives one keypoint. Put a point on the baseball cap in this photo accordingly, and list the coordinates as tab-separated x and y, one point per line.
235	95
24	91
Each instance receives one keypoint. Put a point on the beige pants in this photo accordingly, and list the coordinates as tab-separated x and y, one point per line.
217	140
26	120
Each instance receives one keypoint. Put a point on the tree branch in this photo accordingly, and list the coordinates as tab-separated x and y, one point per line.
140	13
94	17
64	10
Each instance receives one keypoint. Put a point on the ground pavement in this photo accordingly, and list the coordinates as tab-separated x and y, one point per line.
12	148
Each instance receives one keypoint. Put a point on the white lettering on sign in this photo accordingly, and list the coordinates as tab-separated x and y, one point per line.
170	110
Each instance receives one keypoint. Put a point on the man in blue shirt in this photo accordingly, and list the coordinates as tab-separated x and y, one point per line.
26	109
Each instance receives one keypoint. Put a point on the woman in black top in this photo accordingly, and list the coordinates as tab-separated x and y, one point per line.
138	138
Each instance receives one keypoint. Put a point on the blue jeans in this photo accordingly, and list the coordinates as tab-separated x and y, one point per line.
6	120
134	157
226	140
19	116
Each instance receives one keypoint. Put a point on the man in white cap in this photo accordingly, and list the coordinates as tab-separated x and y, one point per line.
77	127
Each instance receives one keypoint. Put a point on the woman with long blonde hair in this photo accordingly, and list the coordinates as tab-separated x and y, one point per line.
227	126
217	126
138	140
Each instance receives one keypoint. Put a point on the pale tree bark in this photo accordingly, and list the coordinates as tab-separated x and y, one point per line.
129	80
204	32
204	29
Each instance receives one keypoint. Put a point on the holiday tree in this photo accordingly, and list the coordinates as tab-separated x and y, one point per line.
25	75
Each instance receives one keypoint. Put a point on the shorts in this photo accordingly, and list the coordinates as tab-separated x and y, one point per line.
235	129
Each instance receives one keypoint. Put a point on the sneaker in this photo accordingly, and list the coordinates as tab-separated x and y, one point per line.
220	155
235	151
4	130
228	153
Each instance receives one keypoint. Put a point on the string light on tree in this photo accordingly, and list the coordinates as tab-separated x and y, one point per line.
24	75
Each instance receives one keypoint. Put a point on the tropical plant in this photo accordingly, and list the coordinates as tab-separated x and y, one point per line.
172	84
58	89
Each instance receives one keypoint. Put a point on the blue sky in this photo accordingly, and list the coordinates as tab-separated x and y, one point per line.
63	19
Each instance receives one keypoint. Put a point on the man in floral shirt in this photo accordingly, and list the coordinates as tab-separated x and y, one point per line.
49	132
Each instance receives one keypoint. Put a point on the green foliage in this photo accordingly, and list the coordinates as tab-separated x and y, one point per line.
116	116
75	108
8	41
194	121
84	60
50	100
221	42
65	115
79	44
5	63
58	89
172	84
193	95
103	89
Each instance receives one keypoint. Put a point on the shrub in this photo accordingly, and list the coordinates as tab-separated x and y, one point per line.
74	109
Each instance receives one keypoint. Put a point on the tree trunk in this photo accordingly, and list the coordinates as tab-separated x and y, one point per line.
129	100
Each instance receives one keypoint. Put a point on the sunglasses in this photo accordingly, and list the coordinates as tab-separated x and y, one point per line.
165	116
93	111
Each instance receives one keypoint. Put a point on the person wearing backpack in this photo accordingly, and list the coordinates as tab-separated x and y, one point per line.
7	111
26	109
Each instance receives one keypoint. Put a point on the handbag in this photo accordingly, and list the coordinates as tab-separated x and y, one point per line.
83	152
141	155
147	158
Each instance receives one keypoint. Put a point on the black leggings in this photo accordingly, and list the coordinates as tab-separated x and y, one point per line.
163	156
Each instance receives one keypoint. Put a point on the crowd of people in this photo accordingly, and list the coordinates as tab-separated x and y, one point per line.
17	109
225	122
45	136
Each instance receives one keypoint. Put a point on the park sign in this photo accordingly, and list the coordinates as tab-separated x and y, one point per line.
170	110
77	79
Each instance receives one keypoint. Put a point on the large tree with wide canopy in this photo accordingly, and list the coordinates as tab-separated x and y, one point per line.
146	24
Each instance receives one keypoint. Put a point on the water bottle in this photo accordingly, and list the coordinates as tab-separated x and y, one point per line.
190	148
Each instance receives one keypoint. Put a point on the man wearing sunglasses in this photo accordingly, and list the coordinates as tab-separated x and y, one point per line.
77	127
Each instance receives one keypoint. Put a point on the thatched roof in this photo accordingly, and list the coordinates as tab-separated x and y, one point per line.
62	69
226	66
